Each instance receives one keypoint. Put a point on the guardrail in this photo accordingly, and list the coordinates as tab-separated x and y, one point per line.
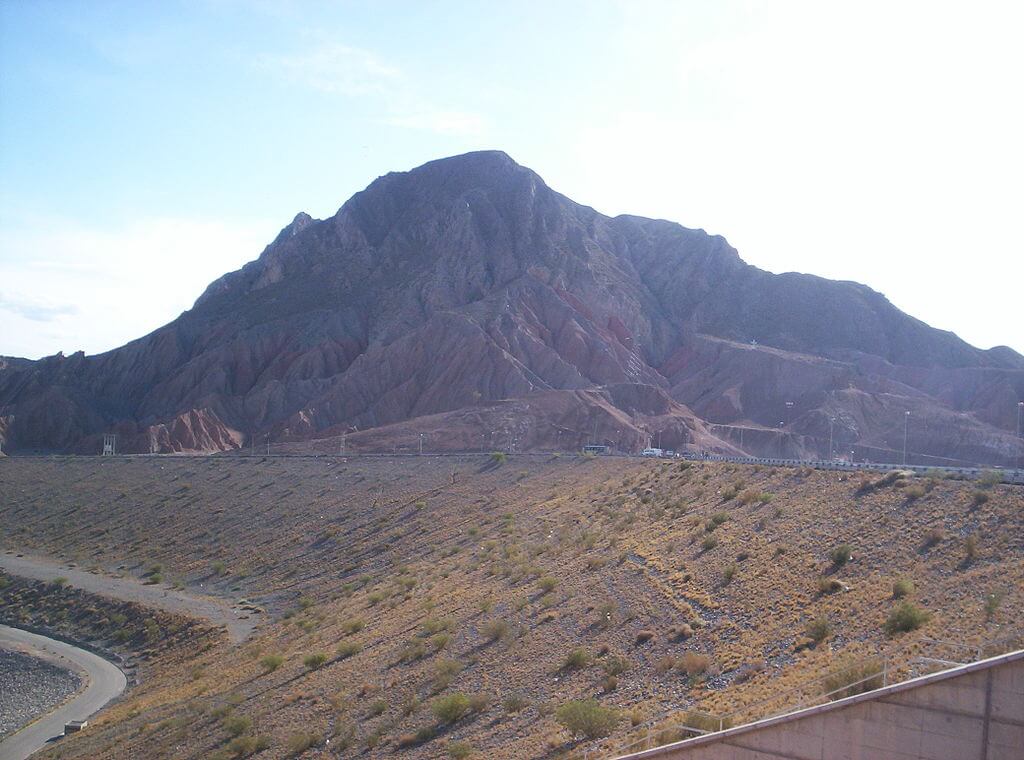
1009	476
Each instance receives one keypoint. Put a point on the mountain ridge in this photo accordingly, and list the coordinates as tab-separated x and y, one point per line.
468	281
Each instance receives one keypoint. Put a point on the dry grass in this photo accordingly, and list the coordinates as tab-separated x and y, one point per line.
344	549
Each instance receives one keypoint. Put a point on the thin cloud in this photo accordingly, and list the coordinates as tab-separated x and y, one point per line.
335	68
34	310
338	69
442	122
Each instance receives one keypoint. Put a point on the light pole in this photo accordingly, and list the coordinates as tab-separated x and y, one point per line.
830	421
421	444
1020	408
789	412
906	424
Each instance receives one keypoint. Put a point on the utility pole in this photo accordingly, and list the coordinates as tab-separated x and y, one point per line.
342	451
830	421
906	424
252	442
421	444
789	410
268	444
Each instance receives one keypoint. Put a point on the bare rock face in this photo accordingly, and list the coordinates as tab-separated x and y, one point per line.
464	288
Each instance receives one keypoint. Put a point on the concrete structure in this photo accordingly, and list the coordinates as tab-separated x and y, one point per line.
971	712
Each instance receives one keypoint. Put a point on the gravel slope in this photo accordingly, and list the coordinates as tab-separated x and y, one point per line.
30	687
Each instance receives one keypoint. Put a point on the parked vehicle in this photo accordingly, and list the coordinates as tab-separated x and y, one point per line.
651	453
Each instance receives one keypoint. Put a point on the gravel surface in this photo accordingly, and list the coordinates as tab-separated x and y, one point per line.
30	687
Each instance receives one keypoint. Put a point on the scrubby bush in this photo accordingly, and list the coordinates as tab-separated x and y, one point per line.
615	665
450	707
970	548
422	735
992	602
459	750
990	478
728	574
643	637
495	630
348	648
315	660
243	746
271	662
547	584
577	658
829	585
901	588
236	725
852	679
933	537
709	543
498	457
301	741
841	554
915	492
444	673
819	629
513	703
905	617
978	498
355	625
587	718
694	663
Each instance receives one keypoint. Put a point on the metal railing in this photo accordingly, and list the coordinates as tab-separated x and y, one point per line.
873	673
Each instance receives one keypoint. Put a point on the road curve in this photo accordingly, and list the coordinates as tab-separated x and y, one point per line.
104	681
239	623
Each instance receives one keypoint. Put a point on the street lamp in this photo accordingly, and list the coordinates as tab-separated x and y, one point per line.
906	424
1020	408
421	443
789	410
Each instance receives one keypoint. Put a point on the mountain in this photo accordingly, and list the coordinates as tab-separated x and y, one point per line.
467	301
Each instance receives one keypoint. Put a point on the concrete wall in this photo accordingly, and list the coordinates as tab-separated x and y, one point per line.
973	712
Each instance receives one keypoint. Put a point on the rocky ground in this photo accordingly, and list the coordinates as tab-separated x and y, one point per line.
30	687
420	607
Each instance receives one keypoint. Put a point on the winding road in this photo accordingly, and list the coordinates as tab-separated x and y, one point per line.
104	681
239	623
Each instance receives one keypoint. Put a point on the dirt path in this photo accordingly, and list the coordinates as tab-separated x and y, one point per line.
239	623
104	681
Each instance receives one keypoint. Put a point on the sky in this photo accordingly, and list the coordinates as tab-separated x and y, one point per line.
147	148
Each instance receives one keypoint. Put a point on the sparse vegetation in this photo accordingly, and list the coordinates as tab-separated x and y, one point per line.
819	629
970	548
449	599
315	660
587	719
904	618
451	707
841	554
851	679
902	588
576	659
271	662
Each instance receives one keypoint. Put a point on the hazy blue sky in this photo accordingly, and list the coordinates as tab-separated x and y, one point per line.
146	148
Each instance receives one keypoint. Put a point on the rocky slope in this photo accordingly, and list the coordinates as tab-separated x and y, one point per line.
467	282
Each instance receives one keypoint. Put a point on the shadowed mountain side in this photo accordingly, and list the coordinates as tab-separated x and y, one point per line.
468	282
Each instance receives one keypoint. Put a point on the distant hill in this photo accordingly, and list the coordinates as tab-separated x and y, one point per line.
468	301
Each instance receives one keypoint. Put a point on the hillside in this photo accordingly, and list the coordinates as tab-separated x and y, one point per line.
466	285
422	578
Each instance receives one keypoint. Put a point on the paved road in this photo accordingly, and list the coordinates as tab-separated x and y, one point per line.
104	682
239	623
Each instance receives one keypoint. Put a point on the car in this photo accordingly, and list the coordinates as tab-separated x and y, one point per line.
649	452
